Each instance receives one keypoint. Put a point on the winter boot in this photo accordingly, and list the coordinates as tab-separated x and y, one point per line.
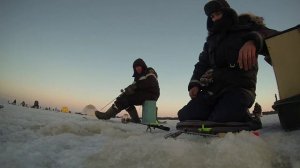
133	114
254	122
111	112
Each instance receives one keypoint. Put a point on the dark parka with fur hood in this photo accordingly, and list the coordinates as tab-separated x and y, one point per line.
221	50
146	82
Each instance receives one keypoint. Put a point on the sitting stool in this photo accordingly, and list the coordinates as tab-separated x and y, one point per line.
149	112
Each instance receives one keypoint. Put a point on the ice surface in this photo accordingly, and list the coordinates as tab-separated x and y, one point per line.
38	138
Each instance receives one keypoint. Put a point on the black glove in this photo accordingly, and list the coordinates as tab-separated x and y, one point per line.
207	78
129	90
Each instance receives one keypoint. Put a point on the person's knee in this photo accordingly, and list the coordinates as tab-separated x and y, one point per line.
182	114
121	104
232	106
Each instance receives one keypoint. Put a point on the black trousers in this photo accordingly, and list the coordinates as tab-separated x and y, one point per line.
124	101
231	106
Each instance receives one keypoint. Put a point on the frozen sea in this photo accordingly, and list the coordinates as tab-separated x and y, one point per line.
31	138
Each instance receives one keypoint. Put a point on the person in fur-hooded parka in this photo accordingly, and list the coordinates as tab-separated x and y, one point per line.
223	83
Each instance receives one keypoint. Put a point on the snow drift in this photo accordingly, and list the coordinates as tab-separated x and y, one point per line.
39	138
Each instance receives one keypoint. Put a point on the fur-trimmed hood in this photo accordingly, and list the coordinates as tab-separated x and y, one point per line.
249	18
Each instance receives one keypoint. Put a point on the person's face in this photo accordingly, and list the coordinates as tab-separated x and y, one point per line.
138	69
216	16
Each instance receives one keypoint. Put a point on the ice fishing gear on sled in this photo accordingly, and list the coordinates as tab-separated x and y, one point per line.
286	70
212	129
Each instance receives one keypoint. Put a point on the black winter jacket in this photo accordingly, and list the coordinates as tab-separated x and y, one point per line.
146	82
221	51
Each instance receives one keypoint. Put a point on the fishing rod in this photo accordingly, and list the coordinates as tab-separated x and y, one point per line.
122	92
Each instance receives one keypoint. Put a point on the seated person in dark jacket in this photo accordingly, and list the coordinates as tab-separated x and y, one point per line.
223	83
144	87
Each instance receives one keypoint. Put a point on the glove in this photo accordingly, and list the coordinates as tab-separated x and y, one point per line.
207	78
129	90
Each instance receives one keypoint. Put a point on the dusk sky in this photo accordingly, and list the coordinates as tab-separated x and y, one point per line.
79	52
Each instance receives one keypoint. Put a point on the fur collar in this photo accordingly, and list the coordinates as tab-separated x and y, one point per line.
249	18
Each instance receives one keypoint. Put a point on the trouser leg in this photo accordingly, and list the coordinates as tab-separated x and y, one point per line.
232	106
133	114
196	109
125	101
111	112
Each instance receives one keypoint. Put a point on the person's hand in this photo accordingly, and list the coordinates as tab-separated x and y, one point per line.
247	56
193	92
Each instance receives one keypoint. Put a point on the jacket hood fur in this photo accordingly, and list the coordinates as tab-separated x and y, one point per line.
249	18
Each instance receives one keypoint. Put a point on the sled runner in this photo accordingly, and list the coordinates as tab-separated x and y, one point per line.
211	129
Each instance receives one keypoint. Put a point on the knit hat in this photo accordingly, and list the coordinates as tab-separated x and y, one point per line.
215	5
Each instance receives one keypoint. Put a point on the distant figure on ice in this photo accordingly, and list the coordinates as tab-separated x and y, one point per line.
222	87
257	111
13	103
144	87
36	104
23	104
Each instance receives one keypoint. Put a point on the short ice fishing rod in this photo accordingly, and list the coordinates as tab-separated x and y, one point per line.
122	92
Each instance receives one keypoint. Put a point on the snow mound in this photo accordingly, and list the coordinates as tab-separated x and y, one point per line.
89	110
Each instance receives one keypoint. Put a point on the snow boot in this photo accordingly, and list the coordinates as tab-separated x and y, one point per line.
255	122
111	112
133	114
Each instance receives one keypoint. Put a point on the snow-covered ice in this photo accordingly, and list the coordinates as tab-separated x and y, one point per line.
32	138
